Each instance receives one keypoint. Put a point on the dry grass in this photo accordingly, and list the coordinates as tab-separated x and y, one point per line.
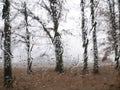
71	79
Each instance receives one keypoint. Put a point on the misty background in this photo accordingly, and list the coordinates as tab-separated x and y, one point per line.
70	29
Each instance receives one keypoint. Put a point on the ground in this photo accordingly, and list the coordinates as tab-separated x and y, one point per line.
71	79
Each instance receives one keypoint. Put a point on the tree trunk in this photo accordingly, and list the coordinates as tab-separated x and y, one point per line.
56	12
7	46
114	33
119	34
29	62
58	53
84	38
95	49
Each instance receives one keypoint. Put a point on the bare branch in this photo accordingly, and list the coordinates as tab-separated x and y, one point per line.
37	18
45	7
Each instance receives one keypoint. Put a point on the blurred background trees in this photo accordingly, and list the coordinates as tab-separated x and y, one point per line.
44	31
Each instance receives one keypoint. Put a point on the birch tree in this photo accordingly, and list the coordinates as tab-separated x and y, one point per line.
84	38
114	30
95	48
27	41
119	33
54	8
7	45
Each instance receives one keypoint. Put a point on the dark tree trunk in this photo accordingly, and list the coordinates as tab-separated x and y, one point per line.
119	34
7	46
96	68
95	49
58	53
85	68
119	22
29	62
84	38
114	33
54	4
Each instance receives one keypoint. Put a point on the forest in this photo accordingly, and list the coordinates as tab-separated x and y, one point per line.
59	44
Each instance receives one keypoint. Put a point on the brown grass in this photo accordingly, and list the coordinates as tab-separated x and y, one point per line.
71	79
